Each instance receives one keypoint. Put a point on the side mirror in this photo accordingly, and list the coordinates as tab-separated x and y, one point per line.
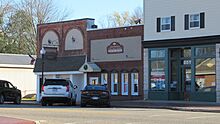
15	87
75	87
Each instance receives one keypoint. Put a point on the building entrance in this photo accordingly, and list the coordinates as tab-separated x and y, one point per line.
180	74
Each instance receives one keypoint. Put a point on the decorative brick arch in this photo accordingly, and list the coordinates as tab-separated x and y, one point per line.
50	38
74	39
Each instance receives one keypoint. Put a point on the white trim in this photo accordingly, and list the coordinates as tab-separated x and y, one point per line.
85	80
112	84
63	72
123	83
125	27
17	66
38	89
102	79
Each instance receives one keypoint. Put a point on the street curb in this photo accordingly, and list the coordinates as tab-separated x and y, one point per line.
168	107
195	110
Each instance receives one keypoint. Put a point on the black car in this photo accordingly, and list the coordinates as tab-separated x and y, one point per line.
9	93
95	95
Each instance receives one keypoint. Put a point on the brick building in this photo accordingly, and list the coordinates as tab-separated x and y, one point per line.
84	55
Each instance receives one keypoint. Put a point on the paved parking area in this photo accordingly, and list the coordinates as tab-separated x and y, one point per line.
91	115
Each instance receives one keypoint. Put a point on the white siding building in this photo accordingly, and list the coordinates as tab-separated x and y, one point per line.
181	50
18	70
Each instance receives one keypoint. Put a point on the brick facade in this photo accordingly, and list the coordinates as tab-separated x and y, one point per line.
119	66
62	28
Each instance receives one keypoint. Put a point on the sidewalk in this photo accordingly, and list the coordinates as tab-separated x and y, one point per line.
7	120
173	105
155	104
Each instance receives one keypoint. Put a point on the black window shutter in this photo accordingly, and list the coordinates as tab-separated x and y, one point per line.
158	24
202	20
187	22
172	23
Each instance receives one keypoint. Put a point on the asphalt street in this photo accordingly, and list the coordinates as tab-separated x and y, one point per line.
92	115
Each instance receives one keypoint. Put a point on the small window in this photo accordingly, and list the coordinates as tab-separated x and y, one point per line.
166	24
194	21
205	51
10	85
134	82
124	83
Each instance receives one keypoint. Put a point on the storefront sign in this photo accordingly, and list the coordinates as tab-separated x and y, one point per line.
115	48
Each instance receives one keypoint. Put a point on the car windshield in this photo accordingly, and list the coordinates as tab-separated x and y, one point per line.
56	82
95	87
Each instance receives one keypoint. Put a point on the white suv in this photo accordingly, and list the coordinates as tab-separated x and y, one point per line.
58	91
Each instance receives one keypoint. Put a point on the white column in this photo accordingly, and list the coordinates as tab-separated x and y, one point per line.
71	79
146	77
38	88
85	79
217	73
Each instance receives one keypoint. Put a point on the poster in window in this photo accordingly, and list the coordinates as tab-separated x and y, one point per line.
157	80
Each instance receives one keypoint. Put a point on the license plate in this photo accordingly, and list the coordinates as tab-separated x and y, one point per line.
95	98
54	90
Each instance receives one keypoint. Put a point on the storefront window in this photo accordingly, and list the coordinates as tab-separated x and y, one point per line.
205	51
114	83
157	75
134	82
205	75
124	83
104	79
186	53
157	53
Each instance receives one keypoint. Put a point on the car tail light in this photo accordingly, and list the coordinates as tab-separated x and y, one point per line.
42	89
67	88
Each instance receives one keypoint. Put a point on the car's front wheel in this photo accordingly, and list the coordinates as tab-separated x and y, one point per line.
17	100
2	99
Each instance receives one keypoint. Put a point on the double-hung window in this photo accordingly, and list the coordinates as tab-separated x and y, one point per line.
194	21
166	24
134	84
124	83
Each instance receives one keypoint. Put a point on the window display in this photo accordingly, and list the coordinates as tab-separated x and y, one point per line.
157	75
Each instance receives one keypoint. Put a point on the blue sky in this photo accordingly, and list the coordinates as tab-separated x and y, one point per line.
96	8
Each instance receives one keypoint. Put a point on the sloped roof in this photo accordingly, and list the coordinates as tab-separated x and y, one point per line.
70	63
90	67
15	59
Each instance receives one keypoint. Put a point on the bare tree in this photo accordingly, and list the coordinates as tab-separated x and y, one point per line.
21	27
117	19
